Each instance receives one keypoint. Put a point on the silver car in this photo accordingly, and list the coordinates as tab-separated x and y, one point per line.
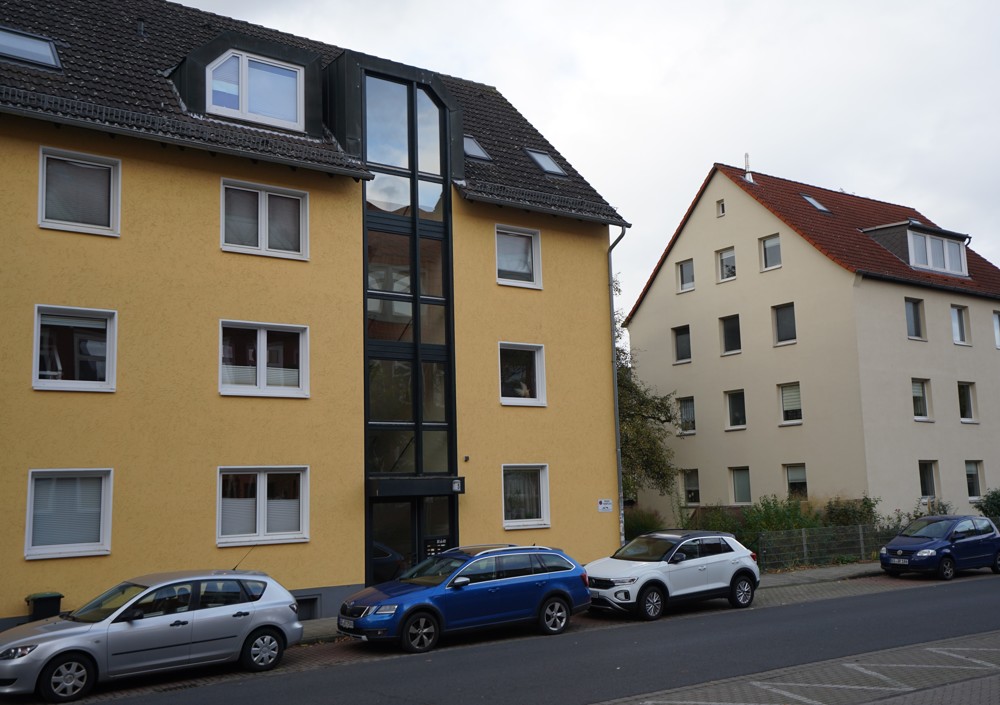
155	622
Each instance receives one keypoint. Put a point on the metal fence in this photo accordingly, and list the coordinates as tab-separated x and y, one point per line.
822	546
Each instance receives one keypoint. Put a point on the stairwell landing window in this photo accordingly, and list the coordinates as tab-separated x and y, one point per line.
686	409
685	275
960	325
729	331
967	402
736	410
784	324
263	359
69	513
927	470
75	349
974	478
741	485
79	193
522	374
915	319
727	264
682	344
798	488
770	253
921	399
692	491
791	403
263	505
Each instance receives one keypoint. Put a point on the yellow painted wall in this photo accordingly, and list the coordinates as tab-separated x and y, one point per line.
166	429
574	434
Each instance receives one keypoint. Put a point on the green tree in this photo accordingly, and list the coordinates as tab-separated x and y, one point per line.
644	420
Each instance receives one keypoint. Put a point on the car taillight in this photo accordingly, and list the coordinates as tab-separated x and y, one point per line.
583	577
753	556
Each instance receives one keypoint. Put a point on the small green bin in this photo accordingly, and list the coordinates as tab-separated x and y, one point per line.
43	604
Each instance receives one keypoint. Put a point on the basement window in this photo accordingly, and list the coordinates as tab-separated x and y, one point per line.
25	47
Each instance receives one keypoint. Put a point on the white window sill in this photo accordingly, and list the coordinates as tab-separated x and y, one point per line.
723	281
770	269
265	253
682	362
797	422
962	343
970	422
81	228
783	343
520	284
684	291
267	392
50	386
526	524
923	419
686	433
255	540
517	401
917	338
34	554
735	428
731	352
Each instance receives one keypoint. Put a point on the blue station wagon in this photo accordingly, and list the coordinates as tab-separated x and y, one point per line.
469	588
943	545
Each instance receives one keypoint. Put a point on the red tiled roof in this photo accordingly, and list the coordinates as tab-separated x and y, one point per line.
838	233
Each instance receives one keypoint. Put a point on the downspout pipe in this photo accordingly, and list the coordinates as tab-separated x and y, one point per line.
614	383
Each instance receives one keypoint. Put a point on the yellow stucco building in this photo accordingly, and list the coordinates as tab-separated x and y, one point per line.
275	304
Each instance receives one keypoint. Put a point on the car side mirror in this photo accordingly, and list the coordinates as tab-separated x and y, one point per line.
460	582
130	615
678	558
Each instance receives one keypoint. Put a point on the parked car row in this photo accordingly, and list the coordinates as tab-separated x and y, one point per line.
168	621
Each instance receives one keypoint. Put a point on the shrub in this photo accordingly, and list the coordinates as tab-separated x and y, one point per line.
851	512
989	503
772	514
639	521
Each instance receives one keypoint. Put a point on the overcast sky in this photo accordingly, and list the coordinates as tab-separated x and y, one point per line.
897	100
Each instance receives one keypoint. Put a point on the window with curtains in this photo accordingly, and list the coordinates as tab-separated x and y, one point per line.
525	496
263	359
79	192
741	485
255	88
784	324
519	257
264	220
74	349
686	407
522	374
69	513
791	403
263	505
692	491
921	399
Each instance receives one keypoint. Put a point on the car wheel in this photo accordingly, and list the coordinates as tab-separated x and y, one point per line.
262	650
66	677
420	633
554	616
650	603
995	567
741	591
946	569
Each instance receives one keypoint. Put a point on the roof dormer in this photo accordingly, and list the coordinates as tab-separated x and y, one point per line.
924	247
254	81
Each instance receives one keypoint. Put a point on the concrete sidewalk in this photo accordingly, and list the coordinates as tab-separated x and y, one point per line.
325	630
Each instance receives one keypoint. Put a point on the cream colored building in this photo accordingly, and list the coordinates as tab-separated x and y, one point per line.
821	345
272	303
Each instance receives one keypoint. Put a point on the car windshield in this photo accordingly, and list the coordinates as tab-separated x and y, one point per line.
645	548
433	570
100	607
928	528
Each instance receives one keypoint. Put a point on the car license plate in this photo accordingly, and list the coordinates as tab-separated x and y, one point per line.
899	561
345	623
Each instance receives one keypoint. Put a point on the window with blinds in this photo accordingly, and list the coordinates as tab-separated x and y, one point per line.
791	402
79	193
74	349
263	505
69	513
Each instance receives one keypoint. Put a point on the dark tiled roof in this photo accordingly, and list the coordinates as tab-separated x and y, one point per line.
839	235
116	57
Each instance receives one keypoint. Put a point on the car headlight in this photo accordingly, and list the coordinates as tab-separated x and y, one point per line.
926	552
385	609
882	551
623	581
17	652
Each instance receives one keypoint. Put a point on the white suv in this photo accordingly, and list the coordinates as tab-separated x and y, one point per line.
674	565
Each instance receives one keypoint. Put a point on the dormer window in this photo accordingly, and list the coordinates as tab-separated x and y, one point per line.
939	254
545	161
257	89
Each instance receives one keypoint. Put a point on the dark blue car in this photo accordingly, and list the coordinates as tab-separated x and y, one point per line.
943	545
469	588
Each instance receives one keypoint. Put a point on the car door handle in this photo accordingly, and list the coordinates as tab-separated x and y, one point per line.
242	614
494	589
702	567
178	623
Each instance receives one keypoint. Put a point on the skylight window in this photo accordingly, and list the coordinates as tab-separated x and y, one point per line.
24	47
546	162
815	204
475	150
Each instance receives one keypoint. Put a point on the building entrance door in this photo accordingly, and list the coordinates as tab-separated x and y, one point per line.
404	531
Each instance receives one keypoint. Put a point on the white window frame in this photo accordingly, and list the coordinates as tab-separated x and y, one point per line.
536	256
263	248
781	404
914	245
540	398
542	522
677	359
788	478
960	333
261	388
687	486
243	113
261	536
917	305
722	335
680	417
774	321
720	208
681	286
110	319
996	329
972	403
925	388
934	479
732	484
764	267
979	478
729	395
719	272
114	197
102	547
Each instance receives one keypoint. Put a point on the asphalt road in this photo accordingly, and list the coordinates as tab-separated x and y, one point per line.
627	659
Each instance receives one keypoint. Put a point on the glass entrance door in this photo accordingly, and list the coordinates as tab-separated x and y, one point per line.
404	531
